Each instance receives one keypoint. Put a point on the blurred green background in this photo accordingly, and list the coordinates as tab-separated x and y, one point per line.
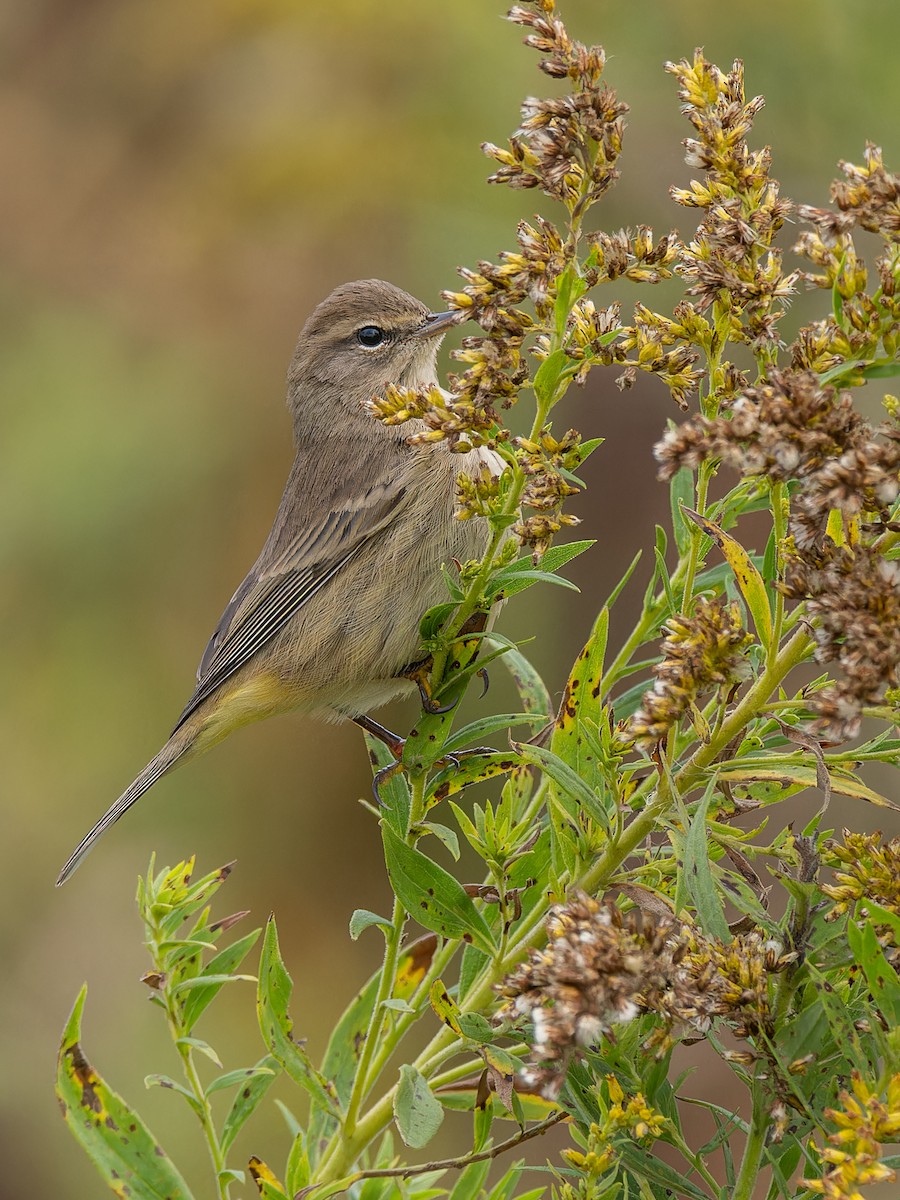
182	183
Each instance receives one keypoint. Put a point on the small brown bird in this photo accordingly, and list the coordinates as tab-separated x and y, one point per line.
327	619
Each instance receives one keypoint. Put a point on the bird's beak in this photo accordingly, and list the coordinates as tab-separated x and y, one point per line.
439	323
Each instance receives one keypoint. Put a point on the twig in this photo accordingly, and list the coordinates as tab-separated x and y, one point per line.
457	1164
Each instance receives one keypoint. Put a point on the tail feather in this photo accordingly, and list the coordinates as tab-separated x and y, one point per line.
171	752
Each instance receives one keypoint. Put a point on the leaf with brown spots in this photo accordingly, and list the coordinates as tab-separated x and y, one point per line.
430	895
475	768
266	1180
276	1025
116	1140
573	740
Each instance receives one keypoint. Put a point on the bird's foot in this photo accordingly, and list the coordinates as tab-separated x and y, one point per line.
420	674
395	744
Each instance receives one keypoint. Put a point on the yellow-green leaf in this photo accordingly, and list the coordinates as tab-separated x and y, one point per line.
748	578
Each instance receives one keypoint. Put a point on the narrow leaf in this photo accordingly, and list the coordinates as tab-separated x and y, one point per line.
276	1026
241	1075
532	691
258	1082
207	984
681	493
698	876
570	788
116	1140
748	578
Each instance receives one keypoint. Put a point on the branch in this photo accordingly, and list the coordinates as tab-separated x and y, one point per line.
451	1164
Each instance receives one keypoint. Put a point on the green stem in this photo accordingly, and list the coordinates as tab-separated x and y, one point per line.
704	476
375	1034
189	1068
748	1176
779	527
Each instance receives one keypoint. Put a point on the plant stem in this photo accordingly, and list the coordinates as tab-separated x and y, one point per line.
748	1175
704	475
365	1075
195	1085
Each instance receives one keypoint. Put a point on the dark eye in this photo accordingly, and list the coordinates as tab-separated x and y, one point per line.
370	336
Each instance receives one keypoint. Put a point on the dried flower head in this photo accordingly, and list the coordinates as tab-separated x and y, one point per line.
789	428
852	595
600	968
590	976
699	652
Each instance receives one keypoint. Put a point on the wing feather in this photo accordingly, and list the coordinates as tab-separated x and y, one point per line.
289	572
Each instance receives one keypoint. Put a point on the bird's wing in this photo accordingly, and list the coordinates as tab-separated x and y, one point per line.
275	590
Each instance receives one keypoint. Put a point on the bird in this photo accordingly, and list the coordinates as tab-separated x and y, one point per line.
326	622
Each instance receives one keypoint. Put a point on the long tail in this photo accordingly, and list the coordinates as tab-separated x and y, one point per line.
174	749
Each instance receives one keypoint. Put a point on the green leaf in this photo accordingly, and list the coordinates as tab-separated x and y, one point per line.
558	556
166	1081
620	586
470	1182
548	375
116	1140
276	1026
573	742
476	1028
879	915
201	1047
648	1166
431	895
509	583
570	790
206	985
434	618
297	1172
797	776
681	493
362	919
470	770
446	836
569	288
475	731
531	688
473	963
240	1075
698	876
209	981
880	975
258	1081
417	1111
882	370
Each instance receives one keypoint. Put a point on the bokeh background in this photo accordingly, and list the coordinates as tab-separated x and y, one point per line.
181	183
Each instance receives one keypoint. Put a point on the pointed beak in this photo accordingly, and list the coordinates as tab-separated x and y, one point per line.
438	323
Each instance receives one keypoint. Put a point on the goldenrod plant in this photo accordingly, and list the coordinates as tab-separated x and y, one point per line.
638	890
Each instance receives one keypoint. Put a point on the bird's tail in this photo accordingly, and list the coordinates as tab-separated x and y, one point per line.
174	749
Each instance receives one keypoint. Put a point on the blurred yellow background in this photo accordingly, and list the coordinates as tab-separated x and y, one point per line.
182	182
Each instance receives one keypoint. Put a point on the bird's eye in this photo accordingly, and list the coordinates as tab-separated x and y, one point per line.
370	336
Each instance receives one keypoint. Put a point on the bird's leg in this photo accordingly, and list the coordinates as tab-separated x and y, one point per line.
394	743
